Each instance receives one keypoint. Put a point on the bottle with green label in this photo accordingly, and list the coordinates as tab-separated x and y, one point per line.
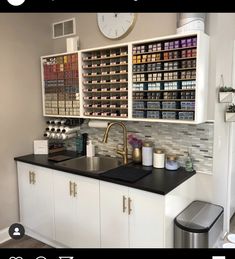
189	163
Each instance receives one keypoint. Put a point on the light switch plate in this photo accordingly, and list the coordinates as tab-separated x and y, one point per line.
40	147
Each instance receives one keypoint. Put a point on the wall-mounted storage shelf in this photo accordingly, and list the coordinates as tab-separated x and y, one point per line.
60	85
161	79
168	68
105	82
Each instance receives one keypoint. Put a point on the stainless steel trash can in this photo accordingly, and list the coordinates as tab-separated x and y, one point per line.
198	226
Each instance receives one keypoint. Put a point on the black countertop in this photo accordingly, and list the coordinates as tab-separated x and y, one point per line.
160	181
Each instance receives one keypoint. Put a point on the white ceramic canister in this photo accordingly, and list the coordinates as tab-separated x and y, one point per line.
147	154
158	158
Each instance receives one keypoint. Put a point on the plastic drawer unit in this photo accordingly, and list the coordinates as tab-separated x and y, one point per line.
198	226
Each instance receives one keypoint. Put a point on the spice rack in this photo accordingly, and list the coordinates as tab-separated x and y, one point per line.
104	82
164	75
60	85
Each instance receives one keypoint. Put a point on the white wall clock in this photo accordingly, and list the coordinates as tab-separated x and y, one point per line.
115	25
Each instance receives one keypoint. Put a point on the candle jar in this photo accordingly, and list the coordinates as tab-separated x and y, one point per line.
158	158
171	162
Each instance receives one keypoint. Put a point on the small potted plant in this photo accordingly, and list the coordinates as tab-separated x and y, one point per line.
137	148
225	92
230	113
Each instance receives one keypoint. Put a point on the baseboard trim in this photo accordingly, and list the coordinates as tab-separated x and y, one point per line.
4	236
38	237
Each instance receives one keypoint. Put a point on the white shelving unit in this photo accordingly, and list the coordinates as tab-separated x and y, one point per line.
60	85
104	82
170	77
169	65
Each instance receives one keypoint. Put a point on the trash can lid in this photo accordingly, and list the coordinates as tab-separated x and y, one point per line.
199	216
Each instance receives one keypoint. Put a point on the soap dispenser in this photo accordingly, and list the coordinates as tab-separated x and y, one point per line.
90	149
189	163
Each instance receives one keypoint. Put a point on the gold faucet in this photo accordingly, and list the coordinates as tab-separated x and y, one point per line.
123	152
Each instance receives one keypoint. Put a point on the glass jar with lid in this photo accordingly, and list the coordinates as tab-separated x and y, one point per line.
147	153
171	162
158	158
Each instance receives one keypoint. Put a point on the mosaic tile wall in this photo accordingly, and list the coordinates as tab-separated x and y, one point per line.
173	138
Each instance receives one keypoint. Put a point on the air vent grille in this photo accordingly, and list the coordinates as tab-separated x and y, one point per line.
64	28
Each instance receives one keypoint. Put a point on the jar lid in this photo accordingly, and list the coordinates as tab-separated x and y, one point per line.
172	157
158	151
147	144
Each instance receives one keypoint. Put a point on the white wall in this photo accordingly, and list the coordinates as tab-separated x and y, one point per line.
24	38
232	184
215	188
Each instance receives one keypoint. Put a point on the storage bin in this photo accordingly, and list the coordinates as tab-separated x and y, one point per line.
186	115
169	115
154	114
154	105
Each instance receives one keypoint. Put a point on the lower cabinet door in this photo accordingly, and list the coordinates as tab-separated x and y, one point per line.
114	215
44	202
76	210
64	202
26	195
36	199
146	219
87	213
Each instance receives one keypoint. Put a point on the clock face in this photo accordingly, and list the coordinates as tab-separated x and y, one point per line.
115	25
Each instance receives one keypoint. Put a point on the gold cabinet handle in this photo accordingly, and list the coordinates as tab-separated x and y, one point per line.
129	206
30	177
34	177
75	189
123	204
70	188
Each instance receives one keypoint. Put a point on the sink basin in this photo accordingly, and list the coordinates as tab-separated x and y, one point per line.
91	164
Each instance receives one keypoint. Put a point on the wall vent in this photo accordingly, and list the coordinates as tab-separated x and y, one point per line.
64	28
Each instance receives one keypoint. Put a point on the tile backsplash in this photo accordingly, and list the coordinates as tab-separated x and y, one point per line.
173	138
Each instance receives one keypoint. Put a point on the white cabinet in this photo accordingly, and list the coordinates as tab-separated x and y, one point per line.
130	217
113	215
64	209
59	206
146	220
76	199
36	199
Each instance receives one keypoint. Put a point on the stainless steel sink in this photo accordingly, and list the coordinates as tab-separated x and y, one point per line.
97	164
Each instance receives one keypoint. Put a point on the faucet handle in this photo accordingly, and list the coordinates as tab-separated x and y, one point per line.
120	147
